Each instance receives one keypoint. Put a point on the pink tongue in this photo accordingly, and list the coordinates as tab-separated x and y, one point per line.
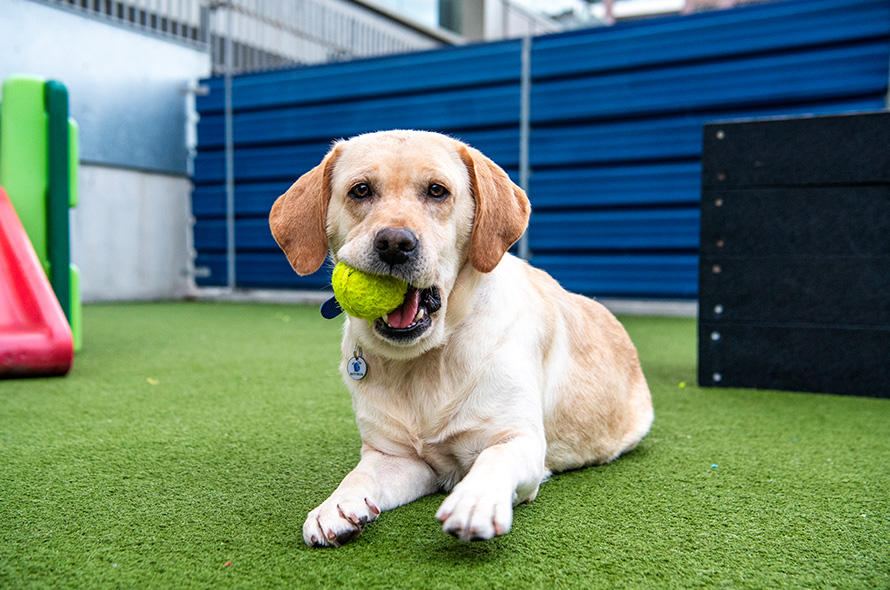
404	315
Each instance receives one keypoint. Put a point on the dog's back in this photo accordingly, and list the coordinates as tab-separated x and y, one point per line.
597	403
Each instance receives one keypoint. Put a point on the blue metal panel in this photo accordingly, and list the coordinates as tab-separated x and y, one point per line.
429	71
257	199
265	270
260	163
212	269
254	235
768	28
673	137
446	110
251	199
207	165
622	230
501	145
251	234
615	186
622	275
667	137
210	235
823	74
208	201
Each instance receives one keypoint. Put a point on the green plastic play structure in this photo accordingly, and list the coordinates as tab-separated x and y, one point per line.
38	169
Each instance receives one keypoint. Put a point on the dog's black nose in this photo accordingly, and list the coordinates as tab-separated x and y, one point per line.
394	245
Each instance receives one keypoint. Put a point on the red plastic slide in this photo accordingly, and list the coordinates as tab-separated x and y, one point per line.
35	339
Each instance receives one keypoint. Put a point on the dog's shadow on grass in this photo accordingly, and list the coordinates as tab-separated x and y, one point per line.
454	552
448	550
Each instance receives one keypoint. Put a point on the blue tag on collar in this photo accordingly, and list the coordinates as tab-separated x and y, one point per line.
331	309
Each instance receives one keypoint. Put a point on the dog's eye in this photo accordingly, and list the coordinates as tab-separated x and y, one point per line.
437	191
360	191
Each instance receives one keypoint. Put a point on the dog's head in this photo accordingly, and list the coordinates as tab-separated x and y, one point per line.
416	205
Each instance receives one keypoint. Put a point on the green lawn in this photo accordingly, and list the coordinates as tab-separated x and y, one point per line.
190	440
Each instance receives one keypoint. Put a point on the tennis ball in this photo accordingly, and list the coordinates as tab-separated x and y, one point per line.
366	296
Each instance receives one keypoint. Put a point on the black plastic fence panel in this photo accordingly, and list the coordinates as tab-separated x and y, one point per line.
615	124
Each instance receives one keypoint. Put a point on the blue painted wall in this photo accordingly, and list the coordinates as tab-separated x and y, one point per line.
616	130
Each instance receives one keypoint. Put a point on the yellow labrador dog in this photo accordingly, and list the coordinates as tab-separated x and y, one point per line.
490	376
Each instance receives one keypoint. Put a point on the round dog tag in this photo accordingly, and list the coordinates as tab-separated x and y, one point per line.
357	368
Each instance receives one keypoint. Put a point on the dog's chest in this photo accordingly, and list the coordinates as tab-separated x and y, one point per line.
430	413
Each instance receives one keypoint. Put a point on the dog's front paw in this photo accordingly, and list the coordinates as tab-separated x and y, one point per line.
475	513
338	521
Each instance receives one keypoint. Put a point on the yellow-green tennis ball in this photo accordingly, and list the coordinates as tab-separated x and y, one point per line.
366	296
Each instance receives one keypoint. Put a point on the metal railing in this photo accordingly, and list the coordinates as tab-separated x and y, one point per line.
179	20
269	34
264	34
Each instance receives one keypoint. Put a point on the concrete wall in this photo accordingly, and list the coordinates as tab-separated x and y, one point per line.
130	234
130	230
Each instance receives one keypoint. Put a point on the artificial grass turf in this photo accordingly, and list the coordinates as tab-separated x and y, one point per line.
191	439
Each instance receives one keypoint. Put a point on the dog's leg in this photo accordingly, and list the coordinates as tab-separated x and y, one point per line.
379	482
481	505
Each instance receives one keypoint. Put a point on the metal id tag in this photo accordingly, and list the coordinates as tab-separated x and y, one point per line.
356	367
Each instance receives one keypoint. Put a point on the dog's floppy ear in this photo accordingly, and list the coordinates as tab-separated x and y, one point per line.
299	217
502	210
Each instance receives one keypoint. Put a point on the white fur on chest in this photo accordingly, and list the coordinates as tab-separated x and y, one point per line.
437	409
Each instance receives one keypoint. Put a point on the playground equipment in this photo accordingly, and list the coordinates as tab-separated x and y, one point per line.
35	338
38	170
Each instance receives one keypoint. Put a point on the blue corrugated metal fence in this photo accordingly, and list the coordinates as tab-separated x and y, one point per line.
616	118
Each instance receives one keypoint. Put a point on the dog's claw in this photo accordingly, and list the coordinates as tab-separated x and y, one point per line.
373	508
358	521
345	537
